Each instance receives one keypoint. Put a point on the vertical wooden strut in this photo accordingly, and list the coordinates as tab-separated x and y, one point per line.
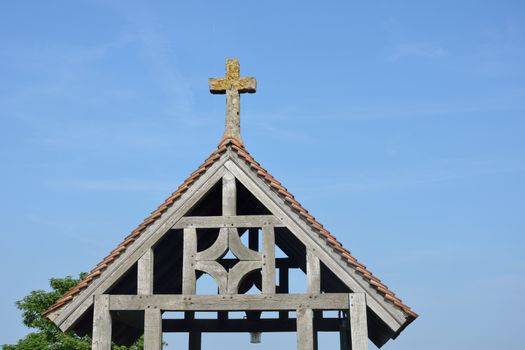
305	329
229	208
188	261
313	272
229	195
152	316
268	260
145	274
195	341
283	287
343	335
358	323
152	329
101	324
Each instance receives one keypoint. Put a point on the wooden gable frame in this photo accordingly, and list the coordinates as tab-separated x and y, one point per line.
385	319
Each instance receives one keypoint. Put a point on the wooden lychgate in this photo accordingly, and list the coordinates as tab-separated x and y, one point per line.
233	221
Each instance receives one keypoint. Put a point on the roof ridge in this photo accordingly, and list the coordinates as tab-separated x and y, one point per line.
115	253
296	206
276	186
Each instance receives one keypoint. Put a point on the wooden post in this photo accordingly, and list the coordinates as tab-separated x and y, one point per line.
318	316
283	288
229	195
313	272
253	239
358	323
305	329
268	260
152	329
195	341
101	323
343	335
188	261
229	208
145	274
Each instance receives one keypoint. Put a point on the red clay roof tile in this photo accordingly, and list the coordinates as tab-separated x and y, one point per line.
273	184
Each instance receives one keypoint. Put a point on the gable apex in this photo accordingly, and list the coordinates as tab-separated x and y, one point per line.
235	158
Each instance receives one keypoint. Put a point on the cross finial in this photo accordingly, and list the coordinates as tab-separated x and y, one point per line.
232	85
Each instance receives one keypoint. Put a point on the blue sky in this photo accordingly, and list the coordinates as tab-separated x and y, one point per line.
399	125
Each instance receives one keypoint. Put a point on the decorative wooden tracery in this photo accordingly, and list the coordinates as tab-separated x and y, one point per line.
228	298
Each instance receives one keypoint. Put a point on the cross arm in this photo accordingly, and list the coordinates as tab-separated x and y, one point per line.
247	85
217	85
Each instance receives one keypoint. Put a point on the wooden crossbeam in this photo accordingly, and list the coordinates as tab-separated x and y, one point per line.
242	302
241	221
245	325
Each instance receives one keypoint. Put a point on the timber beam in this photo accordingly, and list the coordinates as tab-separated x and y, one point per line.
242	302
241	221
246	325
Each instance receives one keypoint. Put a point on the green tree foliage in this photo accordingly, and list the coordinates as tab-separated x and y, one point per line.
46	335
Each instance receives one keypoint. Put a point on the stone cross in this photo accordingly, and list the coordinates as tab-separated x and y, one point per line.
232	85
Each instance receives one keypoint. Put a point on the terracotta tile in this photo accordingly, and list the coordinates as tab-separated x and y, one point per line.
274	184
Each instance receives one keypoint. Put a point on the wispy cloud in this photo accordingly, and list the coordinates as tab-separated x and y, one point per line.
156	52
499	104
63	229
112	185
426	174
281	132
56	76
416	50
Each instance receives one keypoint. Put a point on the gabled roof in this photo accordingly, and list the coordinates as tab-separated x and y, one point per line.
236	147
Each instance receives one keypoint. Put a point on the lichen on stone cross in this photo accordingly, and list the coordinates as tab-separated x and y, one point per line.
232	85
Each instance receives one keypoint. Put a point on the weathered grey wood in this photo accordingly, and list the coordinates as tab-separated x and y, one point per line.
152	329
215	270
305	329
229	195
65	318
268	260
243	302
101	323
313	272
227	221
217	249
195	341
392	316
239	249
358	322
188	261
145	273
279	263
238	272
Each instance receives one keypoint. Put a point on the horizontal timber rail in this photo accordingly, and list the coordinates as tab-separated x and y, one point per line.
227	221
237	302
246	325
